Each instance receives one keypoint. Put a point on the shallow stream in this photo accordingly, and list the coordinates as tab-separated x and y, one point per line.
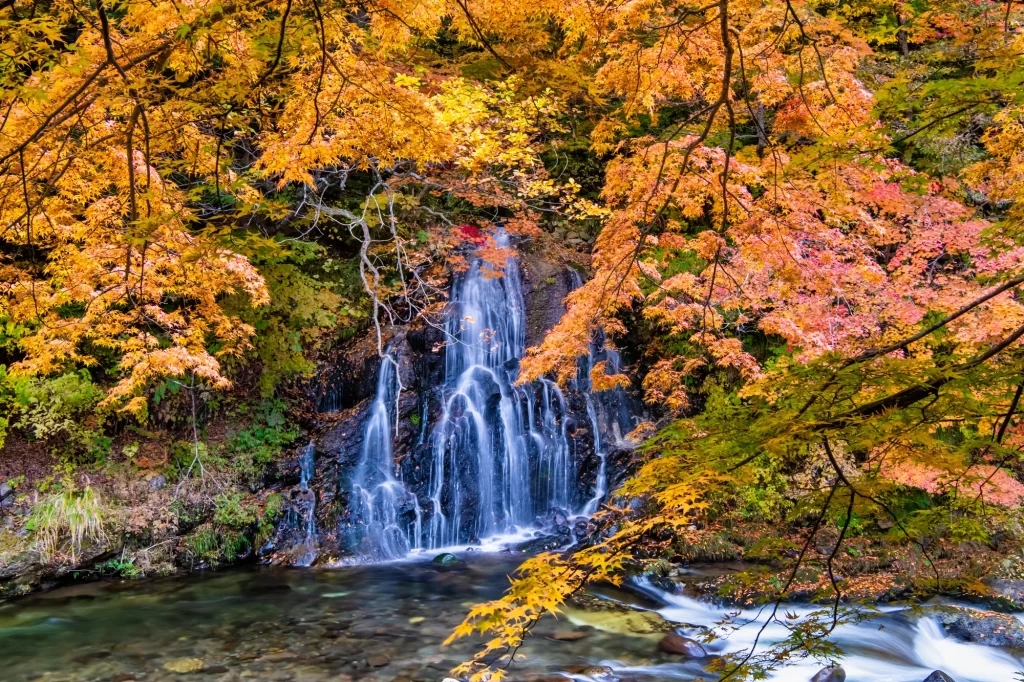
387	621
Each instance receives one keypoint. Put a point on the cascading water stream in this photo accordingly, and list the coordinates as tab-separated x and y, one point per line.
499	455
380	505
490	445
615	399
307	464
306	471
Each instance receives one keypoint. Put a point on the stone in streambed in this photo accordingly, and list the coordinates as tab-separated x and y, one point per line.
674	643
446	559
939	676
377	660
833	673
184	665
123	677
568	635
214	670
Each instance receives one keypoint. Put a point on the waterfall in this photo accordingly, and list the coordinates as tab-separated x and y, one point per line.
491	443
380	506
497	456
610	407
307	465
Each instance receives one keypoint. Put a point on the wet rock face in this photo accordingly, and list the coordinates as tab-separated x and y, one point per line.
546	286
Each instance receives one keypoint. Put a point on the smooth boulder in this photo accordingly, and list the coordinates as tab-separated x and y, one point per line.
674	643
939	676
833	673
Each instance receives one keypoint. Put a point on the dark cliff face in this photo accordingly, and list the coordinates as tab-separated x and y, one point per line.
339	437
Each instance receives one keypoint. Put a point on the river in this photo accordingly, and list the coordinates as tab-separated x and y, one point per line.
387	622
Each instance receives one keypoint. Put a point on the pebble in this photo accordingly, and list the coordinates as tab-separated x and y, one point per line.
378	660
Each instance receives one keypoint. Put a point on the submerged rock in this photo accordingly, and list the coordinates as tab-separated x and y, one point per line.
601	673
568	635
610	616
939	676
833	673
674	643
445	559
184	665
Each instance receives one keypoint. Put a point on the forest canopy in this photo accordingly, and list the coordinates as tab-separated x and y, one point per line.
807	221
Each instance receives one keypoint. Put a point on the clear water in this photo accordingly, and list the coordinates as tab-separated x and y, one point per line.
387	622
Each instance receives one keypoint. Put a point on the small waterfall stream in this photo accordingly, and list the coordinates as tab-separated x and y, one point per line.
307	521
379	526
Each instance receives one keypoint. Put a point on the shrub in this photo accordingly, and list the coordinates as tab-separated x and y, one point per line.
252	449
230	511
56	410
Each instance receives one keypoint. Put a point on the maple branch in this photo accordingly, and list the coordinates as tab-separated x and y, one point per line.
480	35
913	394
854	491
785	588
280	45
712	110
899	345
831	560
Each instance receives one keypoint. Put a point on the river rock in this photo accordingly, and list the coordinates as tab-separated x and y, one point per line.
674	643
939	676
1008	593
123	677
541	544
184	665
600	673
833	673
446	559
214	670
568	635
981	627
378	660
611	616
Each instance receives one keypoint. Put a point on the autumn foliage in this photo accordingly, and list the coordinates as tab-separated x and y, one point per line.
809	214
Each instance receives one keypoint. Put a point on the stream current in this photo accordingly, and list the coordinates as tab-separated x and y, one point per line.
387	622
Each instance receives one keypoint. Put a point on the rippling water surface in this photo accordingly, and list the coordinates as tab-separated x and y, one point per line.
386	622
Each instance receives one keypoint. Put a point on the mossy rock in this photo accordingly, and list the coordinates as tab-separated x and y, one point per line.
610	616
445	559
